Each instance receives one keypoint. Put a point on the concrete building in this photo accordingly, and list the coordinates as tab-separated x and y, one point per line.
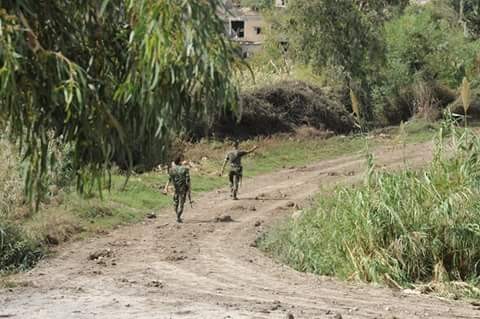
245	25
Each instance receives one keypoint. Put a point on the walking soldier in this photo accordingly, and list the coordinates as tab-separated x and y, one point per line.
179	176
234	157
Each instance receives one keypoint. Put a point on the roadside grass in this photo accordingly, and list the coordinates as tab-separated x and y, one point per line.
69	216
406	229
278	153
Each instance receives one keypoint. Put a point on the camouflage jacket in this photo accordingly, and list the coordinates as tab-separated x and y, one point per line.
235	159
180	178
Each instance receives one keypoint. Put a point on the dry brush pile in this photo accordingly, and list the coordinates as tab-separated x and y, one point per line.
284	107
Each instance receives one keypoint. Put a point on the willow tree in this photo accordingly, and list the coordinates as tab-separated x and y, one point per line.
108	78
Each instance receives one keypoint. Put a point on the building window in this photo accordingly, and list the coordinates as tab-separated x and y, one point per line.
284	46
238	28
258	30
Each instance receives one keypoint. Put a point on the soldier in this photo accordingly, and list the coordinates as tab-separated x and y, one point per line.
236	170
179	176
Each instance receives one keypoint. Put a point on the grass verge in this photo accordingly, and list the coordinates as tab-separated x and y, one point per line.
399	229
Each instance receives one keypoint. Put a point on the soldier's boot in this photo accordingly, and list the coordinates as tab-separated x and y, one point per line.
179	216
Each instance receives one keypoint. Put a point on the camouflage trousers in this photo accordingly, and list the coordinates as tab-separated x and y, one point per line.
234	177
179	199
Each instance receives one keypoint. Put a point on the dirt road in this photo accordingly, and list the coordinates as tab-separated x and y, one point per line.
209	269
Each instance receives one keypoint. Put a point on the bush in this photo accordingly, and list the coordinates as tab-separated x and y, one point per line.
17	252
424	49
403	227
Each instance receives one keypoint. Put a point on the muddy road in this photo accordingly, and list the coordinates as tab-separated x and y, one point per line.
206	268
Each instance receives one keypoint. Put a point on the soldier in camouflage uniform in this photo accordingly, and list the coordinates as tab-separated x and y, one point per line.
179	176
234	157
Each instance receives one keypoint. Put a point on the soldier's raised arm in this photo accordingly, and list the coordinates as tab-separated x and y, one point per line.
252	149
243	153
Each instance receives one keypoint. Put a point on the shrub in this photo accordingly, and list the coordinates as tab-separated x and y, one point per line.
424	49
403	227
17	252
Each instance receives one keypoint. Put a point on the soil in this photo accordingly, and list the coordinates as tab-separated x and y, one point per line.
208	269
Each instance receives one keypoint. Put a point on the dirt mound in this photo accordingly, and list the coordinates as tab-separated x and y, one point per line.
284	107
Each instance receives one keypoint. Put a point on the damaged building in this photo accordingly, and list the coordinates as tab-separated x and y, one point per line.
245	25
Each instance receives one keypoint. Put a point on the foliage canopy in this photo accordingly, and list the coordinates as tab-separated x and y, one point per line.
110	78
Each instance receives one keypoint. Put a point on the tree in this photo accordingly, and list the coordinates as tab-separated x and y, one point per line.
468	15
108	78
340	34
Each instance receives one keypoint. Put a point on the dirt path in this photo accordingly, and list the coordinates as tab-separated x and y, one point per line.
205	269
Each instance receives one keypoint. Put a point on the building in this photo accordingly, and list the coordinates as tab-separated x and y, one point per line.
245	25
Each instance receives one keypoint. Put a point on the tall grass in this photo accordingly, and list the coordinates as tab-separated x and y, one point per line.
11	185
17	251
405	227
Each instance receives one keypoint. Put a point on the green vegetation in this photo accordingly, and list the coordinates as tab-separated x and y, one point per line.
89	86
64	215
256	4
109	79
400	59
400	228
468	12
426	59
16	251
